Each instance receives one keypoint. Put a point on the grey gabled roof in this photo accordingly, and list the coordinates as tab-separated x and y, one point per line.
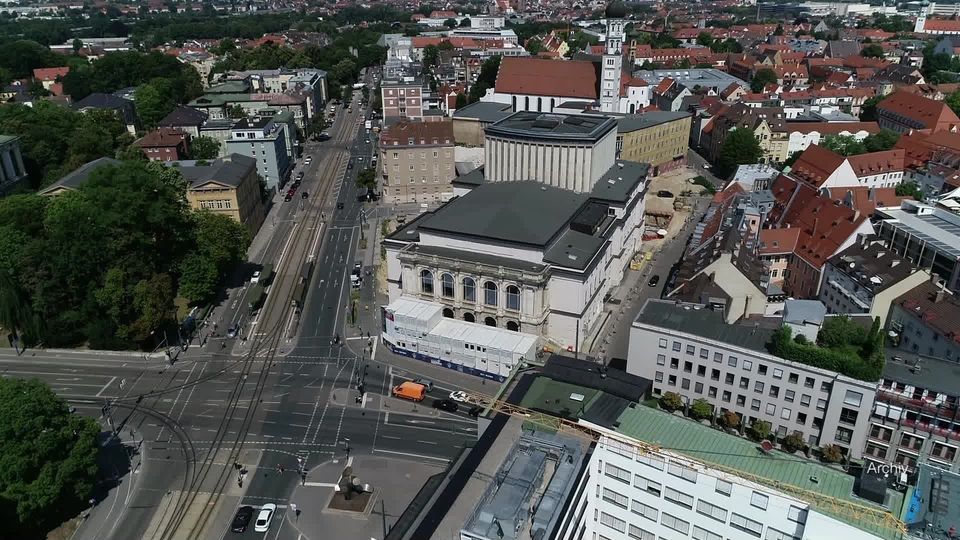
229	171
526	212
183	116
80	175
98	100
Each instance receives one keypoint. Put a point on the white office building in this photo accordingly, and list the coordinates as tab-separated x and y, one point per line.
697	490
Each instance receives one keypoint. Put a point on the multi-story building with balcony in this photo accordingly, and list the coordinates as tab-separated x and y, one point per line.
689	349
923	236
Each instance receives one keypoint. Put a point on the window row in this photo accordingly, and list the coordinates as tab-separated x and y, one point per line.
469	290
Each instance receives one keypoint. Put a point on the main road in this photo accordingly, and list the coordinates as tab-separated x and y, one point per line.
277	400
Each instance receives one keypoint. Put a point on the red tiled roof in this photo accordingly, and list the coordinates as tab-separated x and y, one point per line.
663	86
50	74
941	25
422	133
777	241
535	76
922	302
443	14
161	138
815	165
877	162
923	110
866	200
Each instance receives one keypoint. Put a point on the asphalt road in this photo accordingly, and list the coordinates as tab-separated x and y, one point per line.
306	409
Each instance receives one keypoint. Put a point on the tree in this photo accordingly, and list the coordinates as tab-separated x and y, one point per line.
873	50
367	179
486	79
885	139
671	401
77	45
909	189
729	420
431	56
779	30
832	453
762	78
701	409
739	148
534	46
953	101
793	443
204	148
198	278
845	145
465	23
792	158
839	331
48	458
759	430
461	101
154	101
450	23
236	111
705	39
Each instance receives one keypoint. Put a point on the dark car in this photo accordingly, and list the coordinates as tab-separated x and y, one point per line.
448	405
350	165
475	411
339	206
242	519
299	175
653	281
304	195
287	197
665	194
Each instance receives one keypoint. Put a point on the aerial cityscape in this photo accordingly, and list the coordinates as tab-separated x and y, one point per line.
479	270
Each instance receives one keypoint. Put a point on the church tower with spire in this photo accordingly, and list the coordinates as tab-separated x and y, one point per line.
612	63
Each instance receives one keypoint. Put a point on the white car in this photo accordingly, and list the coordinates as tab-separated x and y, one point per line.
459	395
264	517
307	160
255	278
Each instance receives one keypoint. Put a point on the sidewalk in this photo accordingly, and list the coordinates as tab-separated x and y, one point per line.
394	484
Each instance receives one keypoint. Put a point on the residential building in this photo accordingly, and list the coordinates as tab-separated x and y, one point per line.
659	138
228	186
691	350
12	172
924	236
164	144
803	134
766	123
51	79
417	162
826	227
714	81
905	112
264	140
656	475
220	131
566	151
221	106
123	107
74	179
923	319
470	122
866	278
669	95
402	98
823	168
523	255
185	119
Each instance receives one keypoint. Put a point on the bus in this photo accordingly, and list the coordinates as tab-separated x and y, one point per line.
255	297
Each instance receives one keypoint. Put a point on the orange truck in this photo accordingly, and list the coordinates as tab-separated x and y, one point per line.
410	390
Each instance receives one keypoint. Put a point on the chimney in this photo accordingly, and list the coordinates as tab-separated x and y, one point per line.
941	292
816	222
935	278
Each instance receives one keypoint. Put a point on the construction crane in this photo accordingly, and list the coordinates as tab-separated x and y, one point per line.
873	518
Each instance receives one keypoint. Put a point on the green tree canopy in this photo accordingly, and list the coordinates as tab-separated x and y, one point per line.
204	148
762	78
48	459
873	50
367	178
845	145
739	148
909	189
486	79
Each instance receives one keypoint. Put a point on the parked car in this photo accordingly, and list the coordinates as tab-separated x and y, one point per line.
233	330
350	165
445	405
475	411
265	517
459	395
242	519
303	195
287	197
339	206
665	194
653	281
255	278
425	382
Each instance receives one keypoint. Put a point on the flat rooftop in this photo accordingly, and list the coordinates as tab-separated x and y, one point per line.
704	322
935	227
736	454
553	126
691	77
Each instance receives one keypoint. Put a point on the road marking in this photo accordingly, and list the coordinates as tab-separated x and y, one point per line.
321	484
105	386
426	442
410	454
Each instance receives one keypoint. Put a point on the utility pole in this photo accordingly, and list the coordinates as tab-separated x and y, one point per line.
383	514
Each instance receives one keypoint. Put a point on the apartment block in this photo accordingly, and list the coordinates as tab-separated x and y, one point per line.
689	349
417	162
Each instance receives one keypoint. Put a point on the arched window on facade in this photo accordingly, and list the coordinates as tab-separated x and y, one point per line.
446	285
490	293
490	321
426	282
469	290
448	313
469	317
513	326
513	297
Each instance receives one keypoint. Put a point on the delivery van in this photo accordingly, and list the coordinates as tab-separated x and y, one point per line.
410	390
